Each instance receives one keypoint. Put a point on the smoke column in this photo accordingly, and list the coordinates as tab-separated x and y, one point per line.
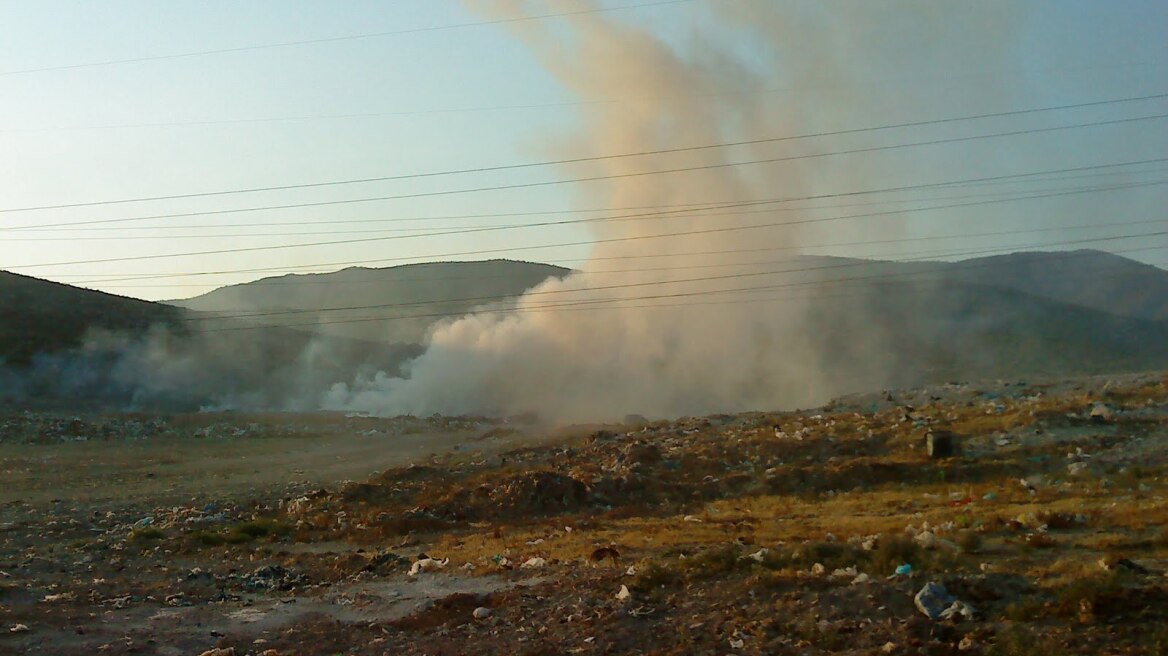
715	352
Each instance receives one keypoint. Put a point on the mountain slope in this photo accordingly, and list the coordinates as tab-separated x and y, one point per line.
902	334
1087	278
395	304
39	316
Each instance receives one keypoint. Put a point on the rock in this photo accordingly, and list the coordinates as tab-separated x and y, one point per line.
1114	563
274	577
624	593
1076	468
482	613
818	569
228	651
861	578
933	600
427	565
1101	413
941	444
759	555
927	540
967	643
18	628
959	610
533	563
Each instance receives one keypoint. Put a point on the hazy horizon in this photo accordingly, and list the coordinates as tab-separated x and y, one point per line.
177	99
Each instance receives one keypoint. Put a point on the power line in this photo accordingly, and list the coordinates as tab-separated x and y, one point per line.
434	111
513	249
557	304
737	251
696	207
733	276
335	39
663	151
587	220
699	212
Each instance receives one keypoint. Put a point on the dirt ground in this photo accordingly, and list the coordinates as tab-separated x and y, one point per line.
823	531
269	453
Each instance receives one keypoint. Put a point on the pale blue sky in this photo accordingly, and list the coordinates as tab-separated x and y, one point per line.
92	133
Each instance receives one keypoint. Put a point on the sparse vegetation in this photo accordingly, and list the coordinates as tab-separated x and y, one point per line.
719	550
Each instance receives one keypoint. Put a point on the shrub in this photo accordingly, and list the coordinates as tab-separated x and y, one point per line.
969	541
146	534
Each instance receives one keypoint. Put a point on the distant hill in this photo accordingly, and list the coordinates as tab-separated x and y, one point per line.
876	324
64	345
903	334
395	304
40	316
1086	278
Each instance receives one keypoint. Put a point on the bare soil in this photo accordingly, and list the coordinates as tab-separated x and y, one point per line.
760	533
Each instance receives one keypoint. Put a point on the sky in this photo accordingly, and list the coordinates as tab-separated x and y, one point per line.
133	99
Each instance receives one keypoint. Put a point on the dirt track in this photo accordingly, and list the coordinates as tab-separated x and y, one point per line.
273	453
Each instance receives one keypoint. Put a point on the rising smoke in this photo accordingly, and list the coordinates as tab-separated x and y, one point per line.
717	321
718	351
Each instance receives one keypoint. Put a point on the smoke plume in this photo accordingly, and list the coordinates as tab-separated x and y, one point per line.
703	348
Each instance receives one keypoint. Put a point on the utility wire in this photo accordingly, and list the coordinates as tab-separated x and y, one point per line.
590	220
979	263
701	279
696	213
695	206
278	282
335	39
577	160
514	249
596	178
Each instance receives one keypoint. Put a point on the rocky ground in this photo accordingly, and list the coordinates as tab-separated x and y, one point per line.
825	531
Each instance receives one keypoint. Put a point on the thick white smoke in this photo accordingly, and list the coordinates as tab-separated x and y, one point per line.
703	352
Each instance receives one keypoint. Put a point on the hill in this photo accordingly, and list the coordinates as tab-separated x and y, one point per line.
421	290
40	316
873	325
67	346
1086	278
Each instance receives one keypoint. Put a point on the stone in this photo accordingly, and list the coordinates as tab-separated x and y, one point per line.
959	610
482	613
1101	413
932	600
427	565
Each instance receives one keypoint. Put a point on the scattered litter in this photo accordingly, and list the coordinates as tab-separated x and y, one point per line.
759	555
